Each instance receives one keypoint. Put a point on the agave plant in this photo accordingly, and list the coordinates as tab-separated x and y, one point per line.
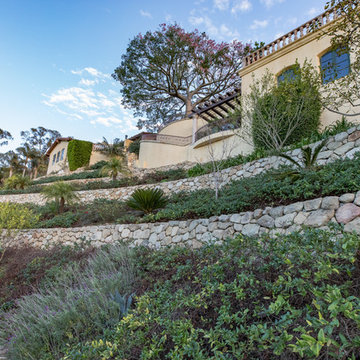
308	161
147	200
123	301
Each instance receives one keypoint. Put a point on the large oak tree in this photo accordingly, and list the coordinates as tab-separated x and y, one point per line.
166	73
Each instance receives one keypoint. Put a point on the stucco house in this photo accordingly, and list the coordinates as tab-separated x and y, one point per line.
298	45
184	140
58	160
205	135
57	154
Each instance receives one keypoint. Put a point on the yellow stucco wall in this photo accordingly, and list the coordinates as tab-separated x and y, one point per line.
155	154
97	156
183	127
56	166
309	47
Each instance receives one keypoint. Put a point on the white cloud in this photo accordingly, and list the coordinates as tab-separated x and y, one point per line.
98	104
270	3
242	6
211	29
145	14
259	24
88	82
227	33
223	32
91	71
221	4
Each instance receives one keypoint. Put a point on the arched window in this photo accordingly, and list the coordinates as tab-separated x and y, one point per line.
334	65
288	74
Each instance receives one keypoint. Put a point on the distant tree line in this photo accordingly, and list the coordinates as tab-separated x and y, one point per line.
28	159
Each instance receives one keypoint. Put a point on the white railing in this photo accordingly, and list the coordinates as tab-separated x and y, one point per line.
294	35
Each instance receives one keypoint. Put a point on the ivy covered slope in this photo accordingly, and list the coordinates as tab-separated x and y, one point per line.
78	153
293	297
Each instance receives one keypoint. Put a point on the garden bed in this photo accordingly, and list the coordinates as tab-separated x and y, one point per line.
247	194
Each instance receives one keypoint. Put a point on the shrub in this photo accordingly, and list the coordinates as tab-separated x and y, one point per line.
282	114
101	211
78	153
63	220
168	175
78	305
12	218
134	147
17	182
147	200
75	176
98	165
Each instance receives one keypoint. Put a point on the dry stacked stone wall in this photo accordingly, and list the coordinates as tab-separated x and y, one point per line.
316	213
343	145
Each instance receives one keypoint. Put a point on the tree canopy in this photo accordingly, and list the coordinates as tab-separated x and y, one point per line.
166	73
40	138
4	137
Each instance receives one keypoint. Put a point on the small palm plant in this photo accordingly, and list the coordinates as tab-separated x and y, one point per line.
17	182
114	149
113	167
308	160
62	193
147	200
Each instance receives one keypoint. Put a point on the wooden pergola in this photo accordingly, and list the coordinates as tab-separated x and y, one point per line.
219	107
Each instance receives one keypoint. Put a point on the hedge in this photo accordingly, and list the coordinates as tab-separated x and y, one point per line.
78	153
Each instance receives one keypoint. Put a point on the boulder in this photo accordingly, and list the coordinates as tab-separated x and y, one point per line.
266	221
310	205
319	218
347	213
330	203
353	226
285	221
354	136
347	198
250	229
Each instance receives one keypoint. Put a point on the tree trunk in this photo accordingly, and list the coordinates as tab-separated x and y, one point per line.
10	171
26	161
114	177
62	205
189	107
35	173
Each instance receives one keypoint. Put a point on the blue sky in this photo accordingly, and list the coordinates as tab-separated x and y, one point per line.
57	56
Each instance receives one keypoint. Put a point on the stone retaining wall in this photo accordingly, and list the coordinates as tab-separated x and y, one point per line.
343	145
316	213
